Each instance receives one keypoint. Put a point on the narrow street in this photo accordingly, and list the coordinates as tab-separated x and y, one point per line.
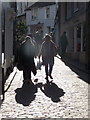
65	97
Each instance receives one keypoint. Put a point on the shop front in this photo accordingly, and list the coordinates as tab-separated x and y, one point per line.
80	42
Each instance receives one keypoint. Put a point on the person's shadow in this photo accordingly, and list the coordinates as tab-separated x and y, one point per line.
52	91
26	94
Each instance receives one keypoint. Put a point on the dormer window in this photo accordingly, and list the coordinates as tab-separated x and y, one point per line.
34	13
21	7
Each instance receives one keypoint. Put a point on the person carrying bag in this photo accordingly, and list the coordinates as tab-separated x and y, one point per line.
39	64
26	58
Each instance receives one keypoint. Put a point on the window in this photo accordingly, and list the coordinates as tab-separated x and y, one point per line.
47	12
17	10
65	11
68	10
21	7
79	38
84	36
48	29
27	3
34	13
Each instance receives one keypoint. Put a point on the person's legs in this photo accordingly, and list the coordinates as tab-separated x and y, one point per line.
50	71
27	75
46	71
30	81
63	50
37	49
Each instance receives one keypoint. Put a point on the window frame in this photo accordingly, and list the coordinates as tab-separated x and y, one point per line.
47	12
34	13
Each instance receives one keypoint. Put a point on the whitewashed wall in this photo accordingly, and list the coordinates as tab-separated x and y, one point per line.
41	17
8	36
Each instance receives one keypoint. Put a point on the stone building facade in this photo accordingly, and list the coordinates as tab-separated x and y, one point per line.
72	19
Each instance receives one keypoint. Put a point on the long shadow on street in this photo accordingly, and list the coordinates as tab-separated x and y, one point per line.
81	74
26	94
52	91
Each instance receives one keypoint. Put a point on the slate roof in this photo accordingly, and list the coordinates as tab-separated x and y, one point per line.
40	4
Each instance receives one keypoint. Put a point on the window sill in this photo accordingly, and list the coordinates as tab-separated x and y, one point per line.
34	19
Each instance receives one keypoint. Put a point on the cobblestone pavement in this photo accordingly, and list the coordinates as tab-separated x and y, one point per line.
48	101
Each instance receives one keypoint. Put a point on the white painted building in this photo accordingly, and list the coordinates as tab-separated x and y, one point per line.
40	16
37	15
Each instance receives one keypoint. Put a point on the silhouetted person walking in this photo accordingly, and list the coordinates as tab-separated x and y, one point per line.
26	58
48	51
63	43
